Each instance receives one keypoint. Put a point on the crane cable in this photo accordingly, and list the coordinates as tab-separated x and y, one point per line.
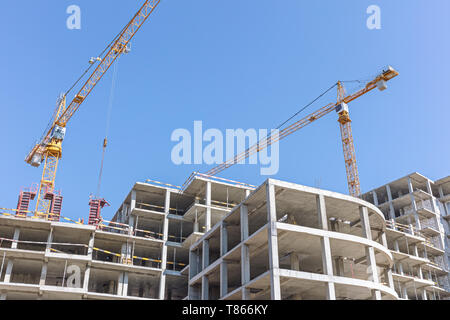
108	122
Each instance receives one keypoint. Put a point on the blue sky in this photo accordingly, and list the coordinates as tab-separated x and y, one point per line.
249	64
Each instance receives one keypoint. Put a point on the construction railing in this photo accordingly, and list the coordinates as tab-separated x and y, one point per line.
413	231
123	259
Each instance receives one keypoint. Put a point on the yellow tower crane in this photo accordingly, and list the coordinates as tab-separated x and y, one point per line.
49	148
341	107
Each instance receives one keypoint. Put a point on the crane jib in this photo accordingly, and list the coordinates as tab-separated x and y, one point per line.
119	46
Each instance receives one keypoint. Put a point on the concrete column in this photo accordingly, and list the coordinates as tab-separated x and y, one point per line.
223	279
205	288
208	206
43	274
419	271
193	264
365	222
405	292
389	278
122	288
132	207
413	204
396	247
245	264
244	222
370	252
15	238
205	261
130	215
441	195
123	213
415	250
133	201
120	284
91	245
87	275
162	282
194	293
327	265
223	239
400	268
275	288
375	198
125	284
391	206
388	271
126	252
245	294
295	261
339	263
49	241
430	191
322	212
8	271
196	223
424	295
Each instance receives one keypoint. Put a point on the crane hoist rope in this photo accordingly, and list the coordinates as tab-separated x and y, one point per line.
48	150
108	123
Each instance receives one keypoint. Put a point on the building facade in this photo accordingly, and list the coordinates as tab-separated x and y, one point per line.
221	239
417	211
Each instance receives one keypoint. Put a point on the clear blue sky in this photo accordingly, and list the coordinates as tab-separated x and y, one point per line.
246	64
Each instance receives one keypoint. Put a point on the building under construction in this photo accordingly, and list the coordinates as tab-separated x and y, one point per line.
221	239
214	238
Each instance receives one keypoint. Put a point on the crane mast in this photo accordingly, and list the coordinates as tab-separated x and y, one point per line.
49	149
348	146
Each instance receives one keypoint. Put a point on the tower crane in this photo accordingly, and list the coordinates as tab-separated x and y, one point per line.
341	107
48	150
